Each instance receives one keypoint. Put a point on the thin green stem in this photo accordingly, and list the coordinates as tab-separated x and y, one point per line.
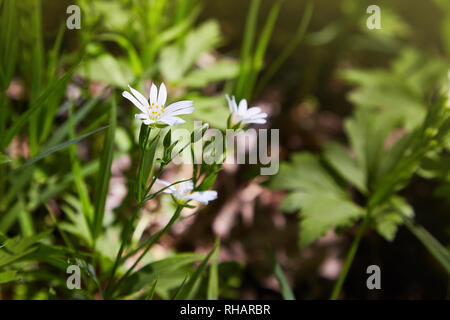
153	240
141	163
124	243
349	259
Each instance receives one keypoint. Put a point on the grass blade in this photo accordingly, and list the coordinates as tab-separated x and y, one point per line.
213	281
289	49
188	290
4	158
8	276
80	183
246	53
9	41
433	246
261	48
286	291
104	175
40	103
56	148
152	291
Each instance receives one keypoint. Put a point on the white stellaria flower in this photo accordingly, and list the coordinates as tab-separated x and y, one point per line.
155	111
241	113
183	192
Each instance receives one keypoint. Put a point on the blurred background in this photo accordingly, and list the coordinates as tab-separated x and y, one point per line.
331	65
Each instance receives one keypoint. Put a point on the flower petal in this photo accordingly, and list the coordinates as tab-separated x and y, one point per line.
204	196
153	93
162	95
170	189
140	97
231	104
242	107
133	100
253	111
258	116
179	105
141	116
258	121
171	121
180	111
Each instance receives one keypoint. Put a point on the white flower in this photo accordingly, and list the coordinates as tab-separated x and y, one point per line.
155	111
243	114
183	192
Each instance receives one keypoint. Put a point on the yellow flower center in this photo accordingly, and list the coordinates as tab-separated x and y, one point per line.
155	111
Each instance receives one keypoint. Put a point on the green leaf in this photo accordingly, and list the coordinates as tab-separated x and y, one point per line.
133	56
321	212
107	69
246	51
406	85
104	175
323	203
213	281
16	248
188	290
9	41
57	148
260	51
305	173
289	49
339	158
438	251
386	218
8	276
367	132
152	291
219	71
286	291
161	270
177	59
40	103
80	183
4	158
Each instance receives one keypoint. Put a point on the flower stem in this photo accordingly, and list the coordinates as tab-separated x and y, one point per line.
153	240
124	243
349	259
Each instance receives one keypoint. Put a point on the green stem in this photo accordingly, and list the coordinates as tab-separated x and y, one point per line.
349	259
153	240
124	243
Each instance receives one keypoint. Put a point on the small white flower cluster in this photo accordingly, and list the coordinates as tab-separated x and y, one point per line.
183	192
154	112
242	114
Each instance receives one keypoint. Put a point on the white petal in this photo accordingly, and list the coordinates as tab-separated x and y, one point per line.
140	97
204	197
242	107
259	121
253	111
170	189
179	111
231	106
153	93
133	100
148	121
162	95
141	116
257	116
179	105
171	121
185	186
